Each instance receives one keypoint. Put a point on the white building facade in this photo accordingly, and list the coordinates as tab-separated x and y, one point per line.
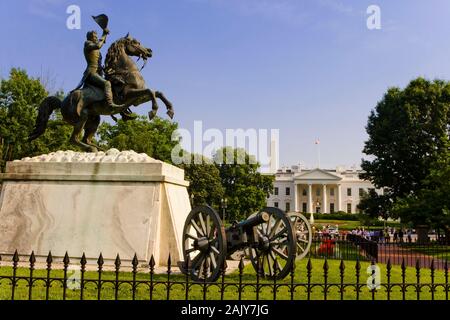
318	190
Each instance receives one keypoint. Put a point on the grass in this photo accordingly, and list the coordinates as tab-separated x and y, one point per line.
177	290
349	225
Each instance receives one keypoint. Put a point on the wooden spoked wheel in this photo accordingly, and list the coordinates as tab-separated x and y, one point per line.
204	244
303	234
276	247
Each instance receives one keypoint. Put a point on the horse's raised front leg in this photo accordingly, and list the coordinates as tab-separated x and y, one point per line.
168	104
142	96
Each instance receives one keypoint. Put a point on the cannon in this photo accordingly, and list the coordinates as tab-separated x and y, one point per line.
269	238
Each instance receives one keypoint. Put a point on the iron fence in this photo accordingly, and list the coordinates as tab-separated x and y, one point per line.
359	248
309	279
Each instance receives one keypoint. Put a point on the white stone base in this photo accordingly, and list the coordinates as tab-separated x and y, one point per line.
113	203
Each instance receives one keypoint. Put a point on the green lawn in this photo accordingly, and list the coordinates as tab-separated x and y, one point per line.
348	225
177	290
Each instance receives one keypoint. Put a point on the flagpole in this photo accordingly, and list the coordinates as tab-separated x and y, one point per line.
317	143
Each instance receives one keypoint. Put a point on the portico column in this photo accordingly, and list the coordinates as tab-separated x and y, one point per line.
295	198
310	203
324	198
339	208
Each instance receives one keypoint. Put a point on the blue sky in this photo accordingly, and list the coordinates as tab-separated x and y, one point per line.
309	68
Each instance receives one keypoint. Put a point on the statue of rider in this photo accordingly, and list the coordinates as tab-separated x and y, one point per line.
94	70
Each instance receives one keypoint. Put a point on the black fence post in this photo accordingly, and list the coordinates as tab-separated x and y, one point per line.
308	276
99	280
152	273
341	274
48	281
388	276
82	271
241	272
14	277
134	264
117	264
66	262
30	280
325	279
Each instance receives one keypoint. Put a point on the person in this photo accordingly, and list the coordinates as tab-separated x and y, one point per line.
395	235
409	235
94	71
400	235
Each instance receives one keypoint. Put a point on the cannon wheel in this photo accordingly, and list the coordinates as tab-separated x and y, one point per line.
204	244
303	234
276	245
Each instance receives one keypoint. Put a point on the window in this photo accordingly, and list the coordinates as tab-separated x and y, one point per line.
276	191
331	192
361	192
331	207
275	204
349	192
288	206
349	208
304	209
304	192
318	192
288	191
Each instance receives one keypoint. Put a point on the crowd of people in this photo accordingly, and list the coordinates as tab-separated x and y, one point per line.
386	235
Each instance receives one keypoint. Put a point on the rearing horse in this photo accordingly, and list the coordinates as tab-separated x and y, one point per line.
82	108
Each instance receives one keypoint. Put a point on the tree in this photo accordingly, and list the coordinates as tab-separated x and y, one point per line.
246	189
375	205
408	130
431	204
20	96
204	181
153	138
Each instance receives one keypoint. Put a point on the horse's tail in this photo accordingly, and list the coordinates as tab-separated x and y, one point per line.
45	110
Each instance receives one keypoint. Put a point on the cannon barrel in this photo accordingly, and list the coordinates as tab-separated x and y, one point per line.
251	222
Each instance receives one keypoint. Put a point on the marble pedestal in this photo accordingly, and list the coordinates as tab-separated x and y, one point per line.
110	203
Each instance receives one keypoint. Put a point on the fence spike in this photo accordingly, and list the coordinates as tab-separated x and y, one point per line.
83	260
205	269
417	264
169	261
135	262
325	265
309	265
49	259
152	263
16	257
432	267
32	259
389	265
117	262
100	260
358	266
66	259
241	266
342	266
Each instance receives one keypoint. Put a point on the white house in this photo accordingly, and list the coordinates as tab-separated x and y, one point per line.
318	190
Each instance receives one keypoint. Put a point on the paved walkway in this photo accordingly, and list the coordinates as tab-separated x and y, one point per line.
396	254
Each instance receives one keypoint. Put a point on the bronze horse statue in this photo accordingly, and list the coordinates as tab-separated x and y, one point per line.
82	108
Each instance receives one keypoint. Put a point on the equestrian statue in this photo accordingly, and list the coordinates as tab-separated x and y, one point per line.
104	90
